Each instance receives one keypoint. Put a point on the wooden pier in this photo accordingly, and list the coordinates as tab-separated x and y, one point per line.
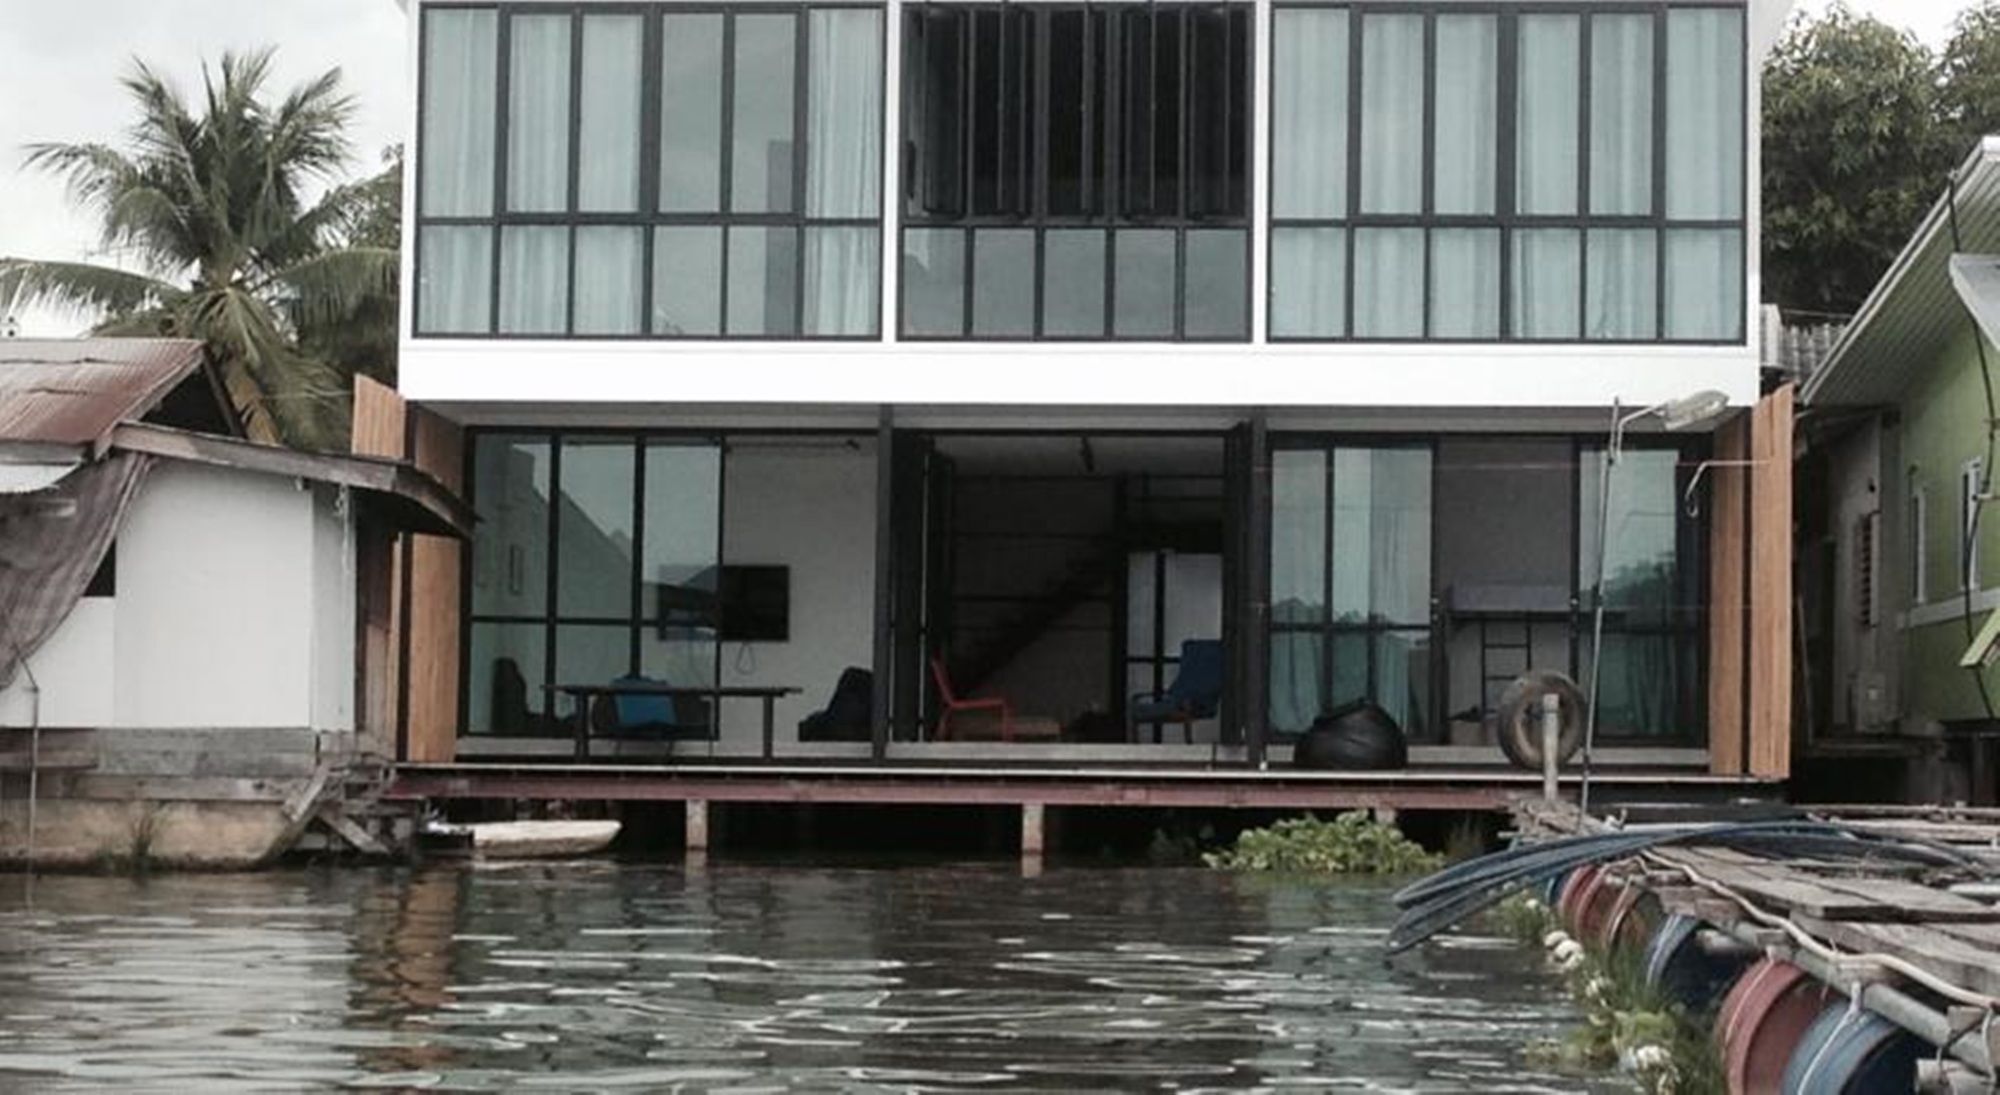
1918	947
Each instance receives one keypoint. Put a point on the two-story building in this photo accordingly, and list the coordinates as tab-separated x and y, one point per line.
1005	350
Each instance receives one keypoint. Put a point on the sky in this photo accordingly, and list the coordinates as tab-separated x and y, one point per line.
59	64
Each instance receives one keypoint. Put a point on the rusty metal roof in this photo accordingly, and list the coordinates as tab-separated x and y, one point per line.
75	391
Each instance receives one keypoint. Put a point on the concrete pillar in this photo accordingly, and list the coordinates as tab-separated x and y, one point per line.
1033	825
697	825
1385	814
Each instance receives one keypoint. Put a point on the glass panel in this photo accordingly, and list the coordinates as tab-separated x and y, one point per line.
590	654
1548	283
1218	285
534	279
844	114
1705	284
1140	576
761	140
1389	283
609	288
1467	84
1309	113
1295	701
763	280
607	140
1400	664
538	114
690	113
1382	536
1465	283
1705	113
843	279
933	281
683	510
510	553
1624	279
1298	536
1621	114
455	285
1640	573
1142	299
461	59
1073	280
1003	282
1638	694
687	280
1392	113
685	657
1308	282
594	533
505	670
1545	151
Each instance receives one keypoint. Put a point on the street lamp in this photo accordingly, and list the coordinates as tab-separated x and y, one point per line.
1674	415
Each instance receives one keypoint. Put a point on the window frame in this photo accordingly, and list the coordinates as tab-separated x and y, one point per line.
647	218
1109	187
1971	477
1505	218
1918	542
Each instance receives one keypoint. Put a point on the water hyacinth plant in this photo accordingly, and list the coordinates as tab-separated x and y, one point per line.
1353	843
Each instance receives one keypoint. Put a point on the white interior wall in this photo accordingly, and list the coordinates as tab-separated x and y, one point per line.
808	505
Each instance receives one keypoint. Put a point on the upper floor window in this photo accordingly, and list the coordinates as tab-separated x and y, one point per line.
663	171
1480	174
1076	171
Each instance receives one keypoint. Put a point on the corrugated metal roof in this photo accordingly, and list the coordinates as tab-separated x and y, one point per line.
75	391
1914	312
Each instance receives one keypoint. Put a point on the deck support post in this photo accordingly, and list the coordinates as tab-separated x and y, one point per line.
697	826
1033	830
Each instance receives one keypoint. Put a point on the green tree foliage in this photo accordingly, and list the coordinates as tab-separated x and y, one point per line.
207	204
1855	150
1969	76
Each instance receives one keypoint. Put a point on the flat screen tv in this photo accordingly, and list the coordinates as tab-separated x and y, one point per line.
754	604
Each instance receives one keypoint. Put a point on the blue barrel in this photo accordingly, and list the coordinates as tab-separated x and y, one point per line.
1684	974
1553	888
1849	1052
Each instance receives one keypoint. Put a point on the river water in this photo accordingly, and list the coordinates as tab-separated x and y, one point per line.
607	975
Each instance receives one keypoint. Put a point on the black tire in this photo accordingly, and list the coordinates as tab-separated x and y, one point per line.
1520	718
1355	737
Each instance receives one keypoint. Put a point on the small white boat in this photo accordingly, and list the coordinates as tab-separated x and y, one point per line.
540	839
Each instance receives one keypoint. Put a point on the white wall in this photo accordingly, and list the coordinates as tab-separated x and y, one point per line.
807	504
333	607
73	669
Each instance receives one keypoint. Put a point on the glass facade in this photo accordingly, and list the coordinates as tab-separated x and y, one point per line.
662	172
1550	174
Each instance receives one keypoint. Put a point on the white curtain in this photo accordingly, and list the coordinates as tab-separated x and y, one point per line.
1309	282
454	287
1465	283
1704	284
538	114
1548	283
607	140
1621	114
1704	113
844	114
534	279
1298	583
1623	284
1392	113
841	281
1467	143
609	259
461	56
1309	113
1382	536
761	142
1545	161
1389	283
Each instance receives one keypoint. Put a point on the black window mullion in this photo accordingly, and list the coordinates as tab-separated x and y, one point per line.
1660	173
652	39
574	168
1357	20
550	587
725	198
1043	164
1326	585
638	552
1183	78
801	74
1114	116
504	66
1087	176
1505	164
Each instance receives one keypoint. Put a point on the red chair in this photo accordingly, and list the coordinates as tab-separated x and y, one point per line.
953	704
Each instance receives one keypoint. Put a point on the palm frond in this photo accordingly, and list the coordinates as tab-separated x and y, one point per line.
330	286
78	287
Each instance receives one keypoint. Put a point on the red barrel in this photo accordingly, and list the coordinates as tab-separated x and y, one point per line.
1632	920
1761	1021
1594	909
1581	882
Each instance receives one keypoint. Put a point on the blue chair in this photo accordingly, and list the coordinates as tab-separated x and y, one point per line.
1196	693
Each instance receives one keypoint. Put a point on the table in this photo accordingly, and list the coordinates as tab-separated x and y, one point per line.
583	694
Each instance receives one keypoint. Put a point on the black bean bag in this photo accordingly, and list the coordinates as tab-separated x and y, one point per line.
849	715
1358	736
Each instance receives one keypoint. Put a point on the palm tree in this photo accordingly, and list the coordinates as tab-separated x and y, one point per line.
211	213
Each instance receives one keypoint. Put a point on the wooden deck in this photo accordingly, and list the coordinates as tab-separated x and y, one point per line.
1417	788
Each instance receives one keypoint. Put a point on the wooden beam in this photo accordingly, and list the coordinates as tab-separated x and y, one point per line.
1770	753
1728	555
378	420
436	447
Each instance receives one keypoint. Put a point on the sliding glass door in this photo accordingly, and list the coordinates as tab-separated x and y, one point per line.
1351	583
